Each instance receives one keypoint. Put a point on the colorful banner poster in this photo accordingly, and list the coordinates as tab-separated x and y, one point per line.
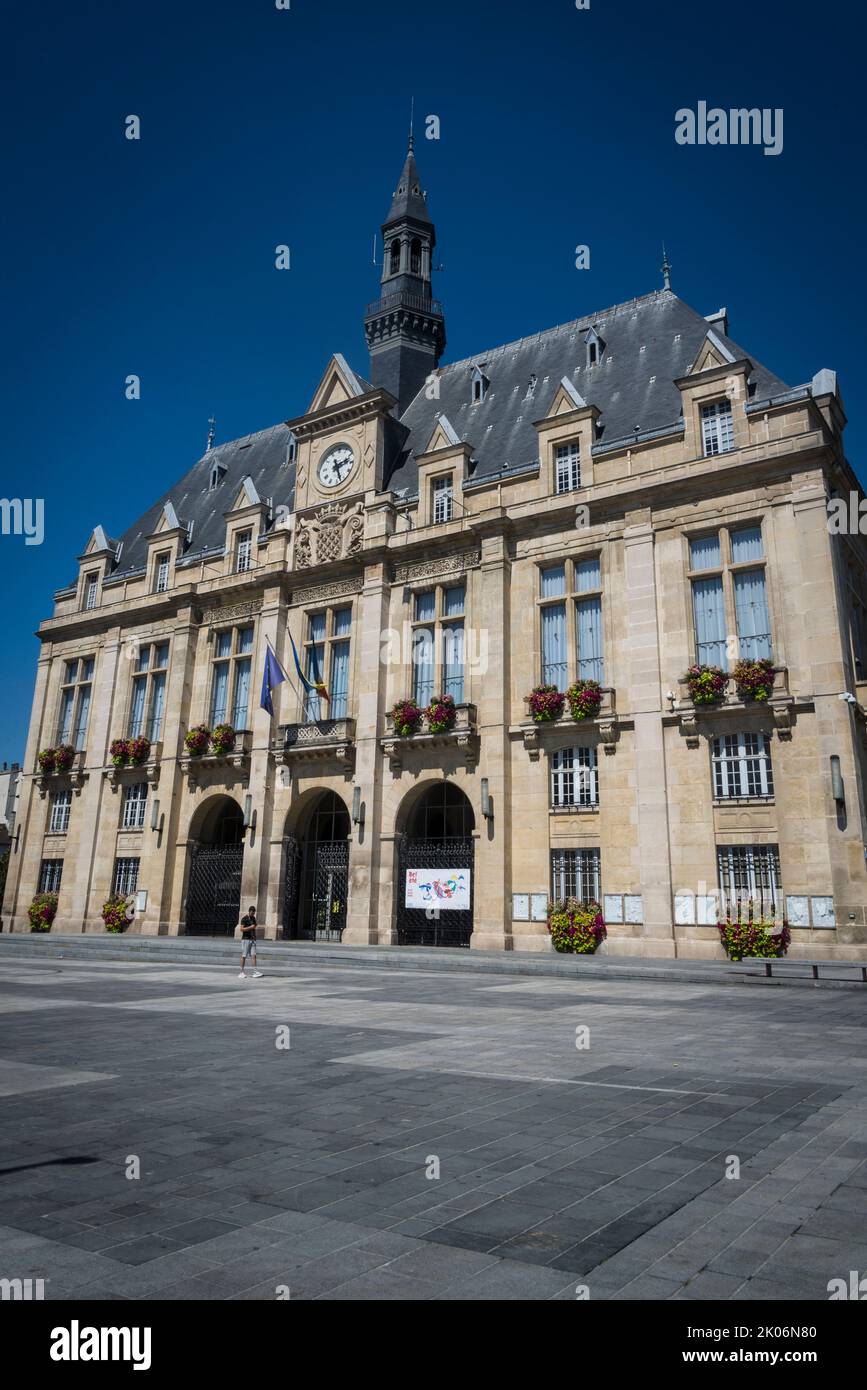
447	889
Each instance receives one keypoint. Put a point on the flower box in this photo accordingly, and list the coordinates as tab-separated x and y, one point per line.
706	685
755	679
545	702
46	759
114	914
223	739
407	718
441	714
42	911
196	740
576	928
748	935
585	699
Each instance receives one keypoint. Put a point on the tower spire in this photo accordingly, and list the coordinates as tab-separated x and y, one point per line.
411	124
666	269
405	329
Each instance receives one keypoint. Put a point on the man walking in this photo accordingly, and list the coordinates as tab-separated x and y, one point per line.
248	943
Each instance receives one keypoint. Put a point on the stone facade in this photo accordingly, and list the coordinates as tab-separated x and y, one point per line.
365	546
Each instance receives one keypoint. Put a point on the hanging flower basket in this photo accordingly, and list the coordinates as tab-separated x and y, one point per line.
584	698
114	914
119	752
755	679
406	718
64	757
46	759
576	928
546	702
196	740
223	739
42	911
441	714
747	934
706	684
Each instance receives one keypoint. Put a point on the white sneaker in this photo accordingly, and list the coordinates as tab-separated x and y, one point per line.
257	974
243	975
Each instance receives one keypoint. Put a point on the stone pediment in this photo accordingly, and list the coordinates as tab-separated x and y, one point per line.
713	353
331	533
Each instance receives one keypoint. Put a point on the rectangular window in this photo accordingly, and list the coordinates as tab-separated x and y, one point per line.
751	610
161	573
568	460
575	873
75	702
147	705
61	805
437	652
717	429
125	877
742	766
230	679
90	590
243	552
50	874
327	659
443	499
562	661
708	608
134	806
749	873
574	779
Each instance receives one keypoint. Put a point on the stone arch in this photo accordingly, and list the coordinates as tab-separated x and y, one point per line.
315	875
434	849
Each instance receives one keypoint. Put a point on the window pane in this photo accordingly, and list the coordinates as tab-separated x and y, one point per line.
86	673
220	697
704	553
588	623
588	575
717	428
342	622
64	723
453	601
339	687
317	627
554	581
554	658
158	699
423	665
245	639
425	607
747	545
224	643
751	607
453	661
314	672
161	655
242	695
709	613
83	715
136	717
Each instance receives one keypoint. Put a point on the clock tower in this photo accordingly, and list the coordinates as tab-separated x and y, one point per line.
405	328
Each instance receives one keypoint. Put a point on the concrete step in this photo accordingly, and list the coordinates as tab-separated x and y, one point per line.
284	957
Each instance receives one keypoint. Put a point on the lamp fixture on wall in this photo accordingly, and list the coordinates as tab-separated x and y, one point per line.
837	789
357	807
155	816
487	804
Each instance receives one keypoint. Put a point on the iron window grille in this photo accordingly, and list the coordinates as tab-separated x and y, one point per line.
749	872
576	873
50	874
125	877
717	428
742	766
574	778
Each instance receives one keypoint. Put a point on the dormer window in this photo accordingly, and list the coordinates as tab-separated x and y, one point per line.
161	572
292	449
443	499
480	386
217	472
91	589
595	348
244	552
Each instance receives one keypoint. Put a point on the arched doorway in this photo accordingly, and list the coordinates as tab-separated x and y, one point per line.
316	879
216	860
435	858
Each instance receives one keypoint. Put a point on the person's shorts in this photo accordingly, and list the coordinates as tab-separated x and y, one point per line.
248	946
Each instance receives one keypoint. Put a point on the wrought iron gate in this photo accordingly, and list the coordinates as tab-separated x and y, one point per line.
326	879
214	892
414	927
291	885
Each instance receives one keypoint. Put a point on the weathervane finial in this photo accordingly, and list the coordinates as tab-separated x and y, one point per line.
212	432
666	269
411	124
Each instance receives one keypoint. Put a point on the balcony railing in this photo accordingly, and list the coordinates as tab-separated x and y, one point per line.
405	301
320	739
194	764
462	738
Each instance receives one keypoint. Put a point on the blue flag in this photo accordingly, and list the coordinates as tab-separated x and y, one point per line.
272	676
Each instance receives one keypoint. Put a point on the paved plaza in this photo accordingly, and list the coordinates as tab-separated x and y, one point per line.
426	1135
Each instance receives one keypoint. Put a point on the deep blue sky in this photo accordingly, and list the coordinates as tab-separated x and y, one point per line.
262	126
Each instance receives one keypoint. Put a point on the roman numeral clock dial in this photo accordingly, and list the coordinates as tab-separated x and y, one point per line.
336	466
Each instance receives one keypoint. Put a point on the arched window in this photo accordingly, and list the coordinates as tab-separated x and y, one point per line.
415	257
395	256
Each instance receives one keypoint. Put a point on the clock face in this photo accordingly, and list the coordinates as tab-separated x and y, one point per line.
336	466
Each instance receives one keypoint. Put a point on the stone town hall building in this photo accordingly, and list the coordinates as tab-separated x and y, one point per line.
614	498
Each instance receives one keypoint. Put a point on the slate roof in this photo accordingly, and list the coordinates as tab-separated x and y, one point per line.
409	199
648	343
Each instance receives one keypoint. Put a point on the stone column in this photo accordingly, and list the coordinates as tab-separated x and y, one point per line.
488	614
